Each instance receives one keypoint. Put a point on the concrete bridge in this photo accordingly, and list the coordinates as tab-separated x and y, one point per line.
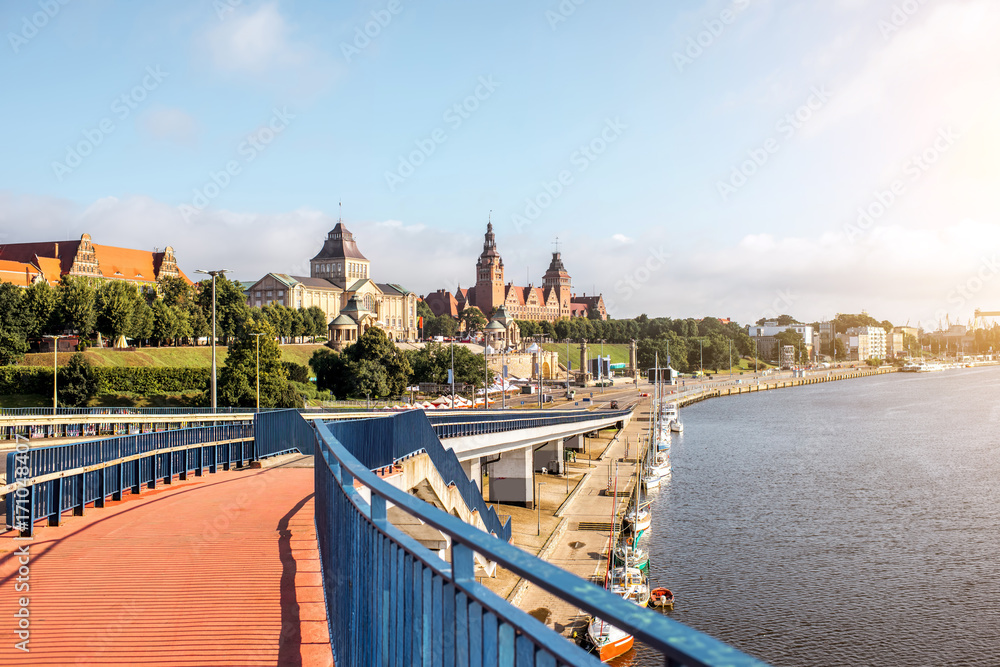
260	564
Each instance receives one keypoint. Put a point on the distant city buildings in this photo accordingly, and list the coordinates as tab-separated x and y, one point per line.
550	302
765	336
25	263
340	285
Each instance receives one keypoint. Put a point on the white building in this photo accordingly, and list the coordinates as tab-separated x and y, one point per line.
765	336
867	343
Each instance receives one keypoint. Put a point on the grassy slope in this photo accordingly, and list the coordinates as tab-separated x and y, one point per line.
617	351
188	357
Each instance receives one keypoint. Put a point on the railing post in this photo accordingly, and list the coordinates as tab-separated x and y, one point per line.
55	512
102	483
463	569
81	496
378	511
137	484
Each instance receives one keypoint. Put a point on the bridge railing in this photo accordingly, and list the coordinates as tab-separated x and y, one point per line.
44	482
392	601
73	412
377	443
455	426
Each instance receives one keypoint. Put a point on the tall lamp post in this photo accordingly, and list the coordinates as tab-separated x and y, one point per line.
568	364
701	344
538	505
217	272
257	336
730	357
453	374
55	371
600	366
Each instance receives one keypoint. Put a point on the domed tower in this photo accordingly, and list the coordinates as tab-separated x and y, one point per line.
340	260
489	275
558	279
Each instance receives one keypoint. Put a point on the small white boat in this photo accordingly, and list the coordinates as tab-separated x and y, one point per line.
630	583
608	641
677	427
640	520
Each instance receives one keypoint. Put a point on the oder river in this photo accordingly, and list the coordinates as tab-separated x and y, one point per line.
846	523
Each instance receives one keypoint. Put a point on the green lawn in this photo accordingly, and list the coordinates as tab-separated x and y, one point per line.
617	351
181	357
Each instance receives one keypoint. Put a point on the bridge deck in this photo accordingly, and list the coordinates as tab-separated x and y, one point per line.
222	571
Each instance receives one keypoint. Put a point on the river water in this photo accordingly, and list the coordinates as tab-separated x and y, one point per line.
846	523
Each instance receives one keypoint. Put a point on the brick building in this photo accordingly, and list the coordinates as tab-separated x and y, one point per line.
552	301
25	263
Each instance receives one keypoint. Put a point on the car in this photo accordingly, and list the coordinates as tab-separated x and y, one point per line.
614	405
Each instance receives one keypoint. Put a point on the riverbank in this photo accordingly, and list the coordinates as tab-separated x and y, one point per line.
575	520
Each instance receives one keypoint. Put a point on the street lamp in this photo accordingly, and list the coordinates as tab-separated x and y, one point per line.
55	371
567	364
701	344
730	357
217	272
453	373
538	505
257	336
600	366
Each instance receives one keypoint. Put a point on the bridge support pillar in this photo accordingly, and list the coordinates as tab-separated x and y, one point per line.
512	479
550	457
474	470
575	443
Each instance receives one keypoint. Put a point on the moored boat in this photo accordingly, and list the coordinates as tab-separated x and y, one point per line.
661	597
635	556
608	641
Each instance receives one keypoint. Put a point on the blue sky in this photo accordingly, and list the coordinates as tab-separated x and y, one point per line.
713	156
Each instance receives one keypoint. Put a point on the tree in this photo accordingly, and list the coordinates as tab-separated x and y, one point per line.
790	337
473	319
40	306
331	371
75	296
174	290
369	379
238	378
116	302
164	322
231	309
440	326
14	324
77	382
141	322
374	345
432	362
319	323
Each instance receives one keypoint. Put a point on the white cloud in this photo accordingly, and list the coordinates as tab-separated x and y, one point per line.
893	272
254	42
170	124
621	238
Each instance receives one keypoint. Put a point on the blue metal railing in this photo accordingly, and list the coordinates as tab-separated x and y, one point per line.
145	463
462	425
381	442
72	412
390	600
282	432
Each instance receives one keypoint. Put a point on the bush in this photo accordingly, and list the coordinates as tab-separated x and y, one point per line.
77	382
143	381
25	380
297	372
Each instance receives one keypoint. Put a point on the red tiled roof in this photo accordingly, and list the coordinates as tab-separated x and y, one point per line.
17	273
125	263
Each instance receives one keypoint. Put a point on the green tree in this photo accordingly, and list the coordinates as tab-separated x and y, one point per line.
116	302
174	290
141	322
231	309
432	362
77	382
331	371
790	337
440	326
369	379
164	322
14	324
76	297
40	306
318	322
473	319
238	378
374	345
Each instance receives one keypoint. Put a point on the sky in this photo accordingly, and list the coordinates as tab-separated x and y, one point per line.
741	158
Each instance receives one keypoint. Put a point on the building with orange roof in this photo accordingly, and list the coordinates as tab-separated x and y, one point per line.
552	301
25	263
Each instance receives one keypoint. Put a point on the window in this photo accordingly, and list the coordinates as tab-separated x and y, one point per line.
281	292
257	294
270	293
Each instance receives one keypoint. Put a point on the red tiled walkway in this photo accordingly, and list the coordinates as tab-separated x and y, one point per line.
219	571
